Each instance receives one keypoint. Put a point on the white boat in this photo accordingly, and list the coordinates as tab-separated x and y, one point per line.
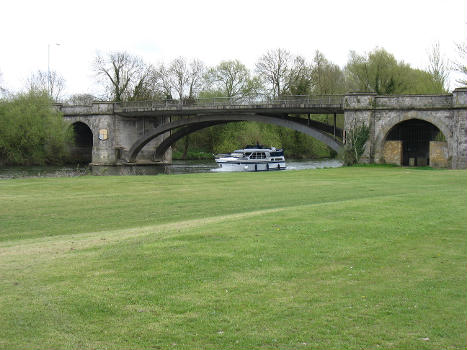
252	158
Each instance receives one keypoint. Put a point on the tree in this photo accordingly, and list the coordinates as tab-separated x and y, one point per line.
81	99
438	68
273	68
327	77
51	83
299	77
357	136
126	77
165	83
377	72
2	89
232	79
186	80
32	131
460	65
179	76
380	72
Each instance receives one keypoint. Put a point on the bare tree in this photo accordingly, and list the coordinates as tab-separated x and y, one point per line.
231	78
179	76
273	68
299	77
147	85
196	74
2	89
81	99
165	83
460	64
186	79
50	82
438	67
123	75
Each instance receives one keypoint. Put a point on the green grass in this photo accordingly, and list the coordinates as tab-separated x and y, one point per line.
345	258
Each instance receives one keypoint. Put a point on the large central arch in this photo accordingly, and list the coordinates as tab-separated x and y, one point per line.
200	121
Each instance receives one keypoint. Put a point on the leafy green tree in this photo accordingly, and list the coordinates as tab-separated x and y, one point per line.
32	131
377	72
380	72
327	77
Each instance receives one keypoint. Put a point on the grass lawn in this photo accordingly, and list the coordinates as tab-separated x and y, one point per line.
346	258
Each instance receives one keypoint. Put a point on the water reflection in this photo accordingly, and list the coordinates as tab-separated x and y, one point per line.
177	167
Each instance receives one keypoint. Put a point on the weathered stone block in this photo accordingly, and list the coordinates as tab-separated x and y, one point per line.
392	153
439	154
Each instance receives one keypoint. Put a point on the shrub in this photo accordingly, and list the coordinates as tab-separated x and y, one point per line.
357	136
31	131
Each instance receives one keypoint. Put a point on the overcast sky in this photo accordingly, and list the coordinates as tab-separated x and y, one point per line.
215	30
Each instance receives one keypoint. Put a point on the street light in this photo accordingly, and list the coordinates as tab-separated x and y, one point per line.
48	68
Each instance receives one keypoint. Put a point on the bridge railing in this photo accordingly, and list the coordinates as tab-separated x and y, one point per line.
314	100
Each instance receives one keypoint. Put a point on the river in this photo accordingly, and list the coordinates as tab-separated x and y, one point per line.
177	167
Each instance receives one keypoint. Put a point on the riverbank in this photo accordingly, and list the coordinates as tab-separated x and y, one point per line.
175	168
327	258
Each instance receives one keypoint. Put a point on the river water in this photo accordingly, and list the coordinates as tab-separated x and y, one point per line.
177	167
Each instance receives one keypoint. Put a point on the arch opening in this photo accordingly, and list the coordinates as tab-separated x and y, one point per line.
298	124
410	143
81	150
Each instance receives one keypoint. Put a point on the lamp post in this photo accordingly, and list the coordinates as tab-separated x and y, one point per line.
48	68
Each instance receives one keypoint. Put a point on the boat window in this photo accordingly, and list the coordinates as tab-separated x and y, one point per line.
277	154
258	155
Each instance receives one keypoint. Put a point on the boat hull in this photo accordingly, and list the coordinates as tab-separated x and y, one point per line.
257	166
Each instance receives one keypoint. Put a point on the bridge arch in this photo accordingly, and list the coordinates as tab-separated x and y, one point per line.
426	125
81	150
201	121
187	130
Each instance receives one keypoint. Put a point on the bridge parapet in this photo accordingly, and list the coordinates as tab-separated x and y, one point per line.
95	109
413	102
294	104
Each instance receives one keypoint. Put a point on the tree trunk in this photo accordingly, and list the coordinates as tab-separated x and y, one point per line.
185	149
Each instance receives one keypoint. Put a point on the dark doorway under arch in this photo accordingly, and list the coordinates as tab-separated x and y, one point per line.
415	136
81	151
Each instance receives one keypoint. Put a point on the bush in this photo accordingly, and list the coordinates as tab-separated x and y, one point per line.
357	136
31	131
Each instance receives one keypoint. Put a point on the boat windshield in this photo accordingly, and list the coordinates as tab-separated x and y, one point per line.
237	155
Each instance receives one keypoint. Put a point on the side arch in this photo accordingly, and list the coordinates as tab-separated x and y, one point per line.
284	121
81	150
383	133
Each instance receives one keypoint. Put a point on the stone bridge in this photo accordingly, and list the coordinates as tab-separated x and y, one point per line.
404	129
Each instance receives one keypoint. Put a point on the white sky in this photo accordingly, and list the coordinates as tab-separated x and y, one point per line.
215	30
